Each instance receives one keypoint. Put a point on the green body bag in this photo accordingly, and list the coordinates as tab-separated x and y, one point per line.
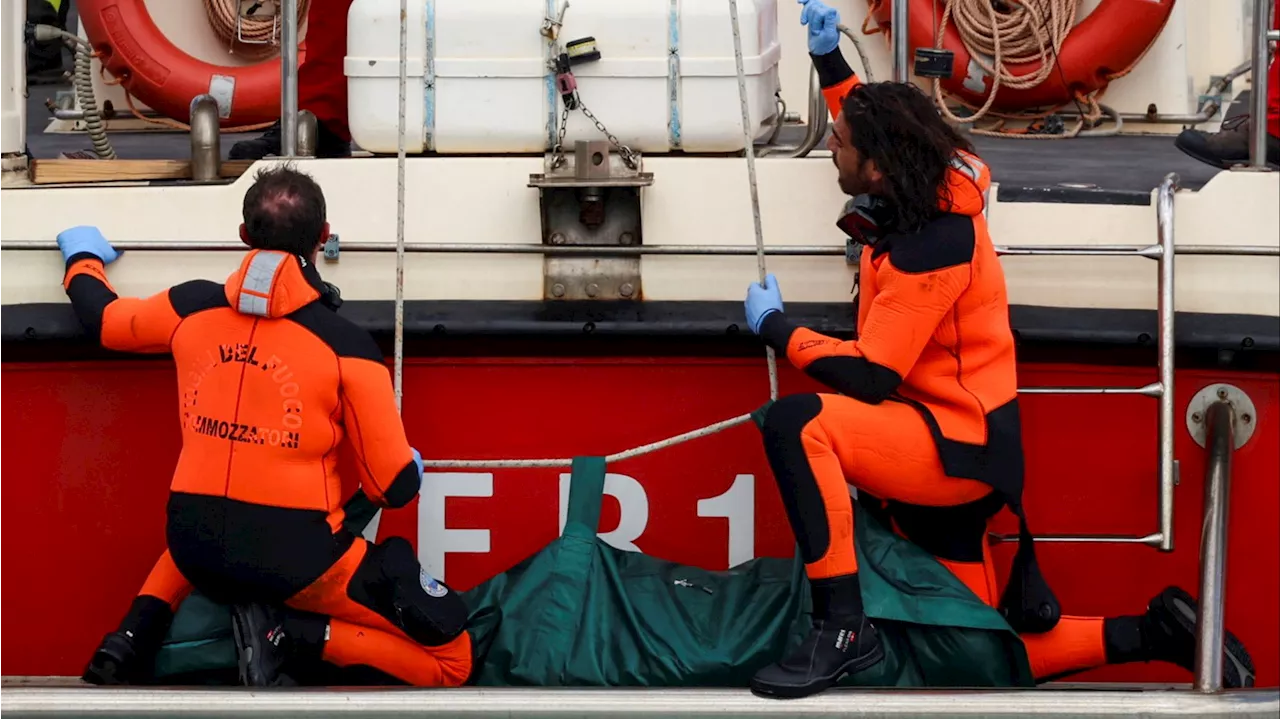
582	613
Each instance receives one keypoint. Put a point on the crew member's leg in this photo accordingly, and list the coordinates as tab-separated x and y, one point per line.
957	537
322	86
1230	145
1166	632
817	445
383	611
126	653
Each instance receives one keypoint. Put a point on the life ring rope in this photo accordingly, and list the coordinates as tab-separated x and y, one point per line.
165	121
1032	32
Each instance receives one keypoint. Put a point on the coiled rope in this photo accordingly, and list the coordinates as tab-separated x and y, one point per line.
1011	33
1021	32
749	142
259	36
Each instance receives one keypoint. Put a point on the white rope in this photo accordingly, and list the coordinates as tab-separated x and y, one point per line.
404	71
749	143
617	457
749	146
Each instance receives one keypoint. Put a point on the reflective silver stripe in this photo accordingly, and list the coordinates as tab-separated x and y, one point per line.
970	166
262	270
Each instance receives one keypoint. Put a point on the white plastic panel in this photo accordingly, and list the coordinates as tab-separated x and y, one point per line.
478	80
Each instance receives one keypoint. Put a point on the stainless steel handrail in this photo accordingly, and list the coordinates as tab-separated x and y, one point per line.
1210	623
581	703
503	248
288	78
900	36
1262	39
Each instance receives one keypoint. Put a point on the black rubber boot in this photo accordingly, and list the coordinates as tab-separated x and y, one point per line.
841	642
328	144
115	661
127	655
1228	146
1167	633
277	646
260	645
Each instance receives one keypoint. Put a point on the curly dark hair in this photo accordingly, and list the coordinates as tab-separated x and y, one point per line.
284	209
896	126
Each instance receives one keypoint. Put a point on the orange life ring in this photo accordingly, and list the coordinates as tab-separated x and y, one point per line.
154	70
1104	45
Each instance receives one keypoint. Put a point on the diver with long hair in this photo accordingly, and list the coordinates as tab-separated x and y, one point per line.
925	420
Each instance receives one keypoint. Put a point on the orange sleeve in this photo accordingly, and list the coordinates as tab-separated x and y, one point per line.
126	324
383	456
899	322
836	78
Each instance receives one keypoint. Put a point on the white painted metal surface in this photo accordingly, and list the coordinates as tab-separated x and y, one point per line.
479	83
13	72
692	201
582	703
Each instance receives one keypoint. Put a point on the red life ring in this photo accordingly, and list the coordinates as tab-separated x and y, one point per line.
1103	46
154	70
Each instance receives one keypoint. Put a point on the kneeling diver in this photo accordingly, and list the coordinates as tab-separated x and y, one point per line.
926	417
271	381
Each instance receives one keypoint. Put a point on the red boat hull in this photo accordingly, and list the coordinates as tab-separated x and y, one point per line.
89	448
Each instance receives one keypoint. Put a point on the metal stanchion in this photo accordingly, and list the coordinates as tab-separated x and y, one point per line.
1258	95
289	78
1164	339
1210	623
901	38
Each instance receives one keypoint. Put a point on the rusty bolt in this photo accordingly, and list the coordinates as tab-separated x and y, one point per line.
1222	393
1195	417
593	289
557	290
626	290
1247	418
557	239
626	238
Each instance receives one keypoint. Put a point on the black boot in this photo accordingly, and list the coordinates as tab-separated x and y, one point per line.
328	144
275	645
842	642
1228	146
1167	633
127	655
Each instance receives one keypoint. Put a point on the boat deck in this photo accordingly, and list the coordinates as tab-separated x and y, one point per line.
1110	166
70	698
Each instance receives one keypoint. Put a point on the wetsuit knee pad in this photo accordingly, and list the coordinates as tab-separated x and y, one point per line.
788	416
801	497
957	533
391	582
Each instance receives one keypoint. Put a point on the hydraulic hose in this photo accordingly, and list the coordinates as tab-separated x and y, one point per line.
83	80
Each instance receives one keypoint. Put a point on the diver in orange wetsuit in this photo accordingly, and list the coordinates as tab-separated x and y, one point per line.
271	381
925	423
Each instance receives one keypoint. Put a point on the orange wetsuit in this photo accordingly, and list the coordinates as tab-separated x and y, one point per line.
926	420
270	380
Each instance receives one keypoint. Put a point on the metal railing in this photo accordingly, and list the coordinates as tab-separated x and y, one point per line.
1210	621
1163	252
561	702
1263	36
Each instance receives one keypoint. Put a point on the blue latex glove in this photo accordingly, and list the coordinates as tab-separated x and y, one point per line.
86	238
822	20
417	459
761	300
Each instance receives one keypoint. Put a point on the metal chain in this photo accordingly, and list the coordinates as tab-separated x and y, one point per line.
557	152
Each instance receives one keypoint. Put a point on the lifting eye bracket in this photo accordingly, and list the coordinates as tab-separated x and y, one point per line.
590	197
